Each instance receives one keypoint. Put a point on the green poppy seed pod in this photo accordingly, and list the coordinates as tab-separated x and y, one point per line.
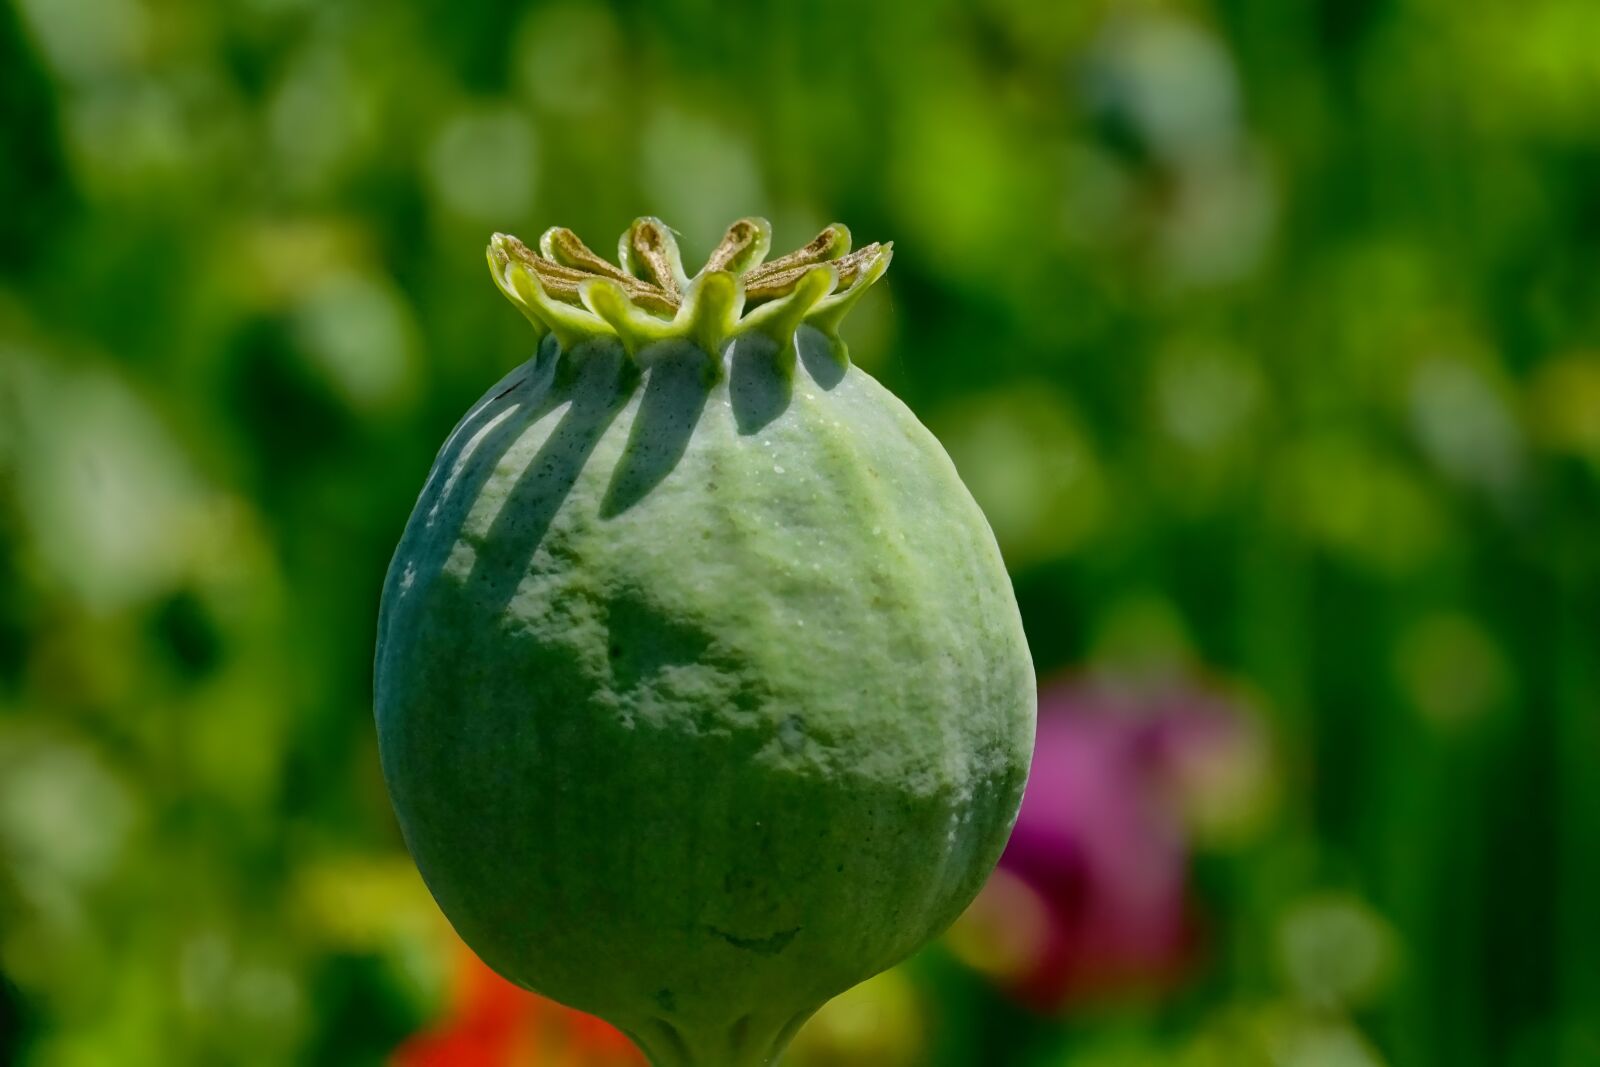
701	689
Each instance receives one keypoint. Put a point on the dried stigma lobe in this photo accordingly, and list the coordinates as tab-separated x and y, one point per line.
569	290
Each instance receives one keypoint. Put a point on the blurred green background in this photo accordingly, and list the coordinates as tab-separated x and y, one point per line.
1267	334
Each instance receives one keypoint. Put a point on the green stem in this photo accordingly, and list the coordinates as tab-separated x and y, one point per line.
749	1042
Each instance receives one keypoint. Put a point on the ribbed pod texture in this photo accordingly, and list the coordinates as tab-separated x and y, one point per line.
701	690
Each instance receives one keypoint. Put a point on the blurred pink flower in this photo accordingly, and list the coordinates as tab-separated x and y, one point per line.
1091	900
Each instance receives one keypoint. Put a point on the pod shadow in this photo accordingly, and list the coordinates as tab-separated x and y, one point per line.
759	387
676	387
542	487
471	453
819	356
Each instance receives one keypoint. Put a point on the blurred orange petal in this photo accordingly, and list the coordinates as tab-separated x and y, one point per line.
493	1023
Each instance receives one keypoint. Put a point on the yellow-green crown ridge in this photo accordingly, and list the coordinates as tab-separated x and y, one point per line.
566	289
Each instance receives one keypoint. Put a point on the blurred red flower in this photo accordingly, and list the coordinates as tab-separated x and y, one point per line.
493	1023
